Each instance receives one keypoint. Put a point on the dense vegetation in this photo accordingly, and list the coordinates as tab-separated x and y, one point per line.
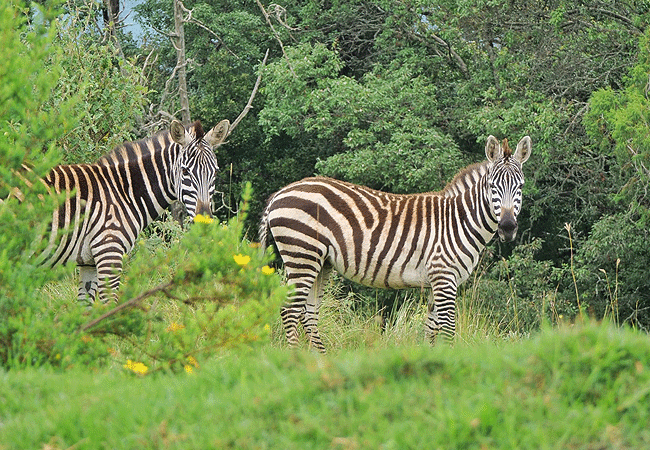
397	95
392	94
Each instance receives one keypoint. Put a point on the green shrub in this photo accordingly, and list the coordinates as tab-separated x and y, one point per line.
111	90
202	293
613	270
28	134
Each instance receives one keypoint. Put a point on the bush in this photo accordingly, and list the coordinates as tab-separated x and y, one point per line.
216	292
198	295
28	133
613	270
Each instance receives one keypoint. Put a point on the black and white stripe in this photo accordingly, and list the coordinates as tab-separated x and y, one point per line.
108	203
392	241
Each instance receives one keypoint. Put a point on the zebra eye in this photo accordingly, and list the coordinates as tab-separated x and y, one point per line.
185	171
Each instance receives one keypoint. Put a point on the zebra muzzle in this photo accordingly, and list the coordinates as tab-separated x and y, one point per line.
507	226
203	208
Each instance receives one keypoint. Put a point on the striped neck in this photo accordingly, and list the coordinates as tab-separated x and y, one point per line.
150	169
471	187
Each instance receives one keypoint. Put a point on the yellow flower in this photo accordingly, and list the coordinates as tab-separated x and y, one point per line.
242	260
175	327
192	360
267	327
189	368
136	367
200	218
266	270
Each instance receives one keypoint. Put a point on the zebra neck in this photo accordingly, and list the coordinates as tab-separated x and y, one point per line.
147	170
479	217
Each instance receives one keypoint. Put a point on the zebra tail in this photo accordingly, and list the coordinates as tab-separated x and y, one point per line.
264	227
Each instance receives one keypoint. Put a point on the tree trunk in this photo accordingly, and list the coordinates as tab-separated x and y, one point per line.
181	61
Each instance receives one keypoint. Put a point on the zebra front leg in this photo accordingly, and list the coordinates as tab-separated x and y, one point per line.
442	310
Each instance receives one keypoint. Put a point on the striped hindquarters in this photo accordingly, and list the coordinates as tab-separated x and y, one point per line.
370	237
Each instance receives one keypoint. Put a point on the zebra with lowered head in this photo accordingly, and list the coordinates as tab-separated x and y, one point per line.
107	204
392	241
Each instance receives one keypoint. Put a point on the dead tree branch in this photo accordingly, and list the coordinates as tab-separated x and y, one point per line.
129	304
277	36
249	105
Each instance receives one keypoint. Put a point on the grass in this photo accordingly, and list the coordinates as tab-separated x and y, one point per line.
580	387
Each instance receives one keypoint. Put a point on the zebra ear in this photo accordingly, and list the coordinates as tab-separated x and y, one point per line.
523	149
177	131
217	135
493	149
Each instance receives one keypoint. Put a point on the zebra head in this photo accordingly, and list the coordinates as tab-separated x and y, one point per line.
505	180
196	167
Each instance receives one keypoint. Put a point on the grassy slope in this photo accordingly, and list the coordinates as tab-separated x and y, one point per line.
586	387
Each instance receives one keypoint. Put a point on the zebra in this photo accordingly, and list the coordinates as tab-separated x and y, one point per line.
106	205
388	240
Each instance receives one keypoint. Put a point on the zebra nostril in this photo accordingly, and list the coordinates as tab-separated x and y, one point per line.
508	226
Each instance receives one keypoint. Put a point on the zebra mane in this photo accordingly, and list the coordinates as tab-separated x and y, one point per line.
465	179
507	151
128	152
131	151
198	129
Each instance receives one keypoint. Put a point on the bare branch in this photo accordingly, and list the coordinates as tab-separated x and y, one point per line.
129	304
280	13
277	36
249	105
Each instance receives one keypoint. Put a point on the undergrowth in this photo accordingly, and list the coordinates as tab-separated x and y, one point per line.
585	386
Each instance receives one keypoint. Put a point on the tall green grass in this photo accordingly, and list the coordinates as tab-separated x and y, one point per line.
585	386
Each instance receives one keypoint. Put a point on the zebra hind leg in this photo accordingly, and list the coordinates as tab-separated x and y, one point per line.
291	314
87	293
310	318
109	272
303	305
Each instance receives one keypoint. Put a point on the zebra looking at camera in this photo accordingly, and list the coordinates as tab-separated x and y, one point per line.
108	203
393	241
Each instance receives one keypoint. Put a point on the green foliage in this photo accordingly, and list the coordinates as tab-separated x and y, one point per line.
28	133
185	298
110	90
613	260
385	121
617	122
215	292
613	263
585	386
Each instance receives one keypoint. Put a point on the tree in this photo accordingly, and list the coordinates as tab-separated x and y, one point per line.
30	73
